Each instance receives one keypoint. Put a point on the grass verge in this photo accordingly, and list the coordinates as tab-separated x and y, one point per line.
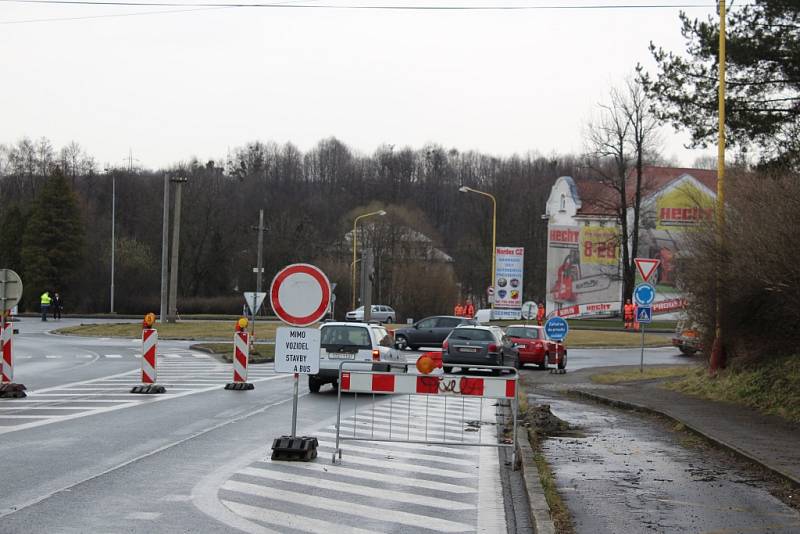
772	387
260	353
650	373
202	330
599	338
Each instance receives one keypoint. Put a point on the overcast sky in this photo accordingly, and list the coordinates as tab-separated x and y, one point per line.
171	86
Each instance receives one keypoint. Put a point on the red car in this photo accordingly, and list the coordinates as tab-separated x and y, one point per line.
535	347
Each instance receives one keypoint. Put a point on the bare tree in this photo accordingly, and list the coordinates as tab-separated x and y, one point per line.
618	144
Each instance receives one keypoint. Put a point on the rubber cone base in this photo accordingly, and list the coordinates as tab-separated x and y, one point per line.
149	389
239	386
10	390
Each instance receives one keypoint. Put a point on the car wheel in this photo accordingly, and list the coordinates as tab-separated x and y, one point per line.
563	363
389	320
517	363
313	384
335	385
401	343
447	369
543	365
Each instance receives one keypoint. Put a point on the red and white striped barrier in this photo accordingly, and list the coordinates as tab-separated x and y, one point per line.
149	346
6	342
8	389
241	353
149	363
489	387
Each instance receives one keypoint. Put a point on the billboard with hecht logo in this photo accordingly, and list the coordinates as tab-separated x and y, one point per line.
508	277
583	270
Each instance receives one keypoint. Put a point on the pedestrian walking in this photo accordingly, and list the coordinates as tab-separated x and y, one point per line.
44	304
58	306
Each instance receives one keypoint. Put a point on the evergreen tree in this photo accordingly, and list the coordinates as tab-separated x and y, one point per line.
763	80
53	243
12	228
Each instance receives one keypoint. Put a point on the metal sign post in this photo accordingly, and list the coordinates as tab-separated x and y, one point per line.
644	295
300	295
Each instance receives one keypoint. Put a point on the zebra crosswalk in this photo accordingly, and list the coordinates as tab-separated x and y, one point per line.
117	356
180	376
379	487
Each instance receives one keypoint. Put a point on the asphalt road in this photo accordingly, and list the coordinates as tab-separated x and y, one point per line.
82	454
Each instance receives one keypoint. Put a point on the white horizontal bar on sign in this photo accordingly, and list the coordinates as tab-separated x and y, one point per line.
386	478
289	521
355	489
338	506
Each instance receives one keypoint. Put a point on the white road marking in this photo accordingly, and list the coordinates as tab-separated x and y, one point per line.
365	491
396	453
336	505
292	521
491	509
52	356
385	477
113	355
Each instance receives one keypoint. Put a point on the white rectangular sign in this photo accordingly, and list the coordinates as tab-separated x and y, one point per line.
297	350
508	282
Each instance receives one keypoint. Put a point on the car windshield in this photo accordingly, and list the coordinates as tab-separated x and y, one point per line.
472	334
337	337
522	332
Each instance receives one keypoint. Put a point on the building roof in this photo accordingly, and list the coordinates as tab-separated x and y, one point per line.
599	199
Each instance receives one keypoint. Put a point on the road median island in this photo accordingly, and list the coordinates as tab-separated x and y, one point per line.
595	339
183	330
259	353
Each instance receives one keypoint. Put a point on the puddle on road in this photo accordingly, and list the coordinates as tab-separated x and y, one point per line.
630	474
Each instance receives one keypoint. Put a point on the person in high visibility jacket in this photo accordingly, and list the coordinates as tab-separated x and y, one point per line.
459	310
44	304
629	313
540	315
469	310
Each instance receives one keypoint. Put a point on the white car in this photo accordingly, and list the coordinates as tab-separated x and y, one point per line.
383	314
369	346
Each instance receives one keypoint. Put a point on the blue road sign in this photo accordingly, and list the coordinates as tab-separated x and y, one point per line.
644	314
556	328
644	294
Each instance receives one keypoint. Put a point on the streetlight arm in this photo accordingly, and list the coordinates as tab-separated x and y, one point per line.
355	239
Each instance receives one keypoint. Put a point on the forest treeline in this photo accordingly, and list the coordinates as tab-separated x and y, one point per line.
310	200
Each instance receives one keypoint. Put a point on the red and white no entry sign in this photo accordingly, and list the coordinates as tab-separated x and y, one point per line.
300	294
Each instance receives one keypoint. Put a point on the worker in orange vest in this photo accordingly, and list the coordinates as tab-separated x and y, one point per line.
459	310
469	310
540	315
629	312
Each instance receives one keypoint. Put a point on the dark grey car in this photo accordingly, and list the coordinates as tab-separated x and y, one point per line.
429	332
478	345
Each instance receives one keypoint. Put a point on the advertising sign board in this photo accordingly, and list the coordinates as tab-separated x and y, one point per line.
508	277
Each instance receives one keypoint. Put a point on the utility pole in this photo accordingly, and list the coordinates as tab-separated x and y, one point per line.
367	268
176	232
259	268
113	230
165	254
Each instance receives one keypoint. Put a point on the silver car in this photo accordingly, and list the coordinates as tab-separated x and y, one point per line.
381	313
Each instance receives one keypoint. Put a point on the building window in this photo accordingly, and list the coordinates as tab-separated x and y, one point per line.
563	206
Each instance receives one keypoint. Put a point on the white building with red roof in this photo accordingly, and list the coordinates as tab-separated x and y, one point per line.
583	249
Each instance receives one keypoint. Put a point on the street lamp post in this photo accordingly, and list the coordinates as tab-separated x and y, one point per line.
113	230
380	213
465	189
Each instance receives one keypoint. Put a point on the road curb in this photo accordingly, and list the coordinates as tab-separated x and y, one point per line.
627	405
539	509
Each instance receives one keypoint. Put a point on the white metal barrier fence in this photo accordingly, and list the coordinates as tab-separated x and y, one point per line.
426	409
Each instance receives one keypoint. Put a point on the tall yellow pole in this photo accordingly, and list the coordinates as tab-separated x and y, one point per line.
717	351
